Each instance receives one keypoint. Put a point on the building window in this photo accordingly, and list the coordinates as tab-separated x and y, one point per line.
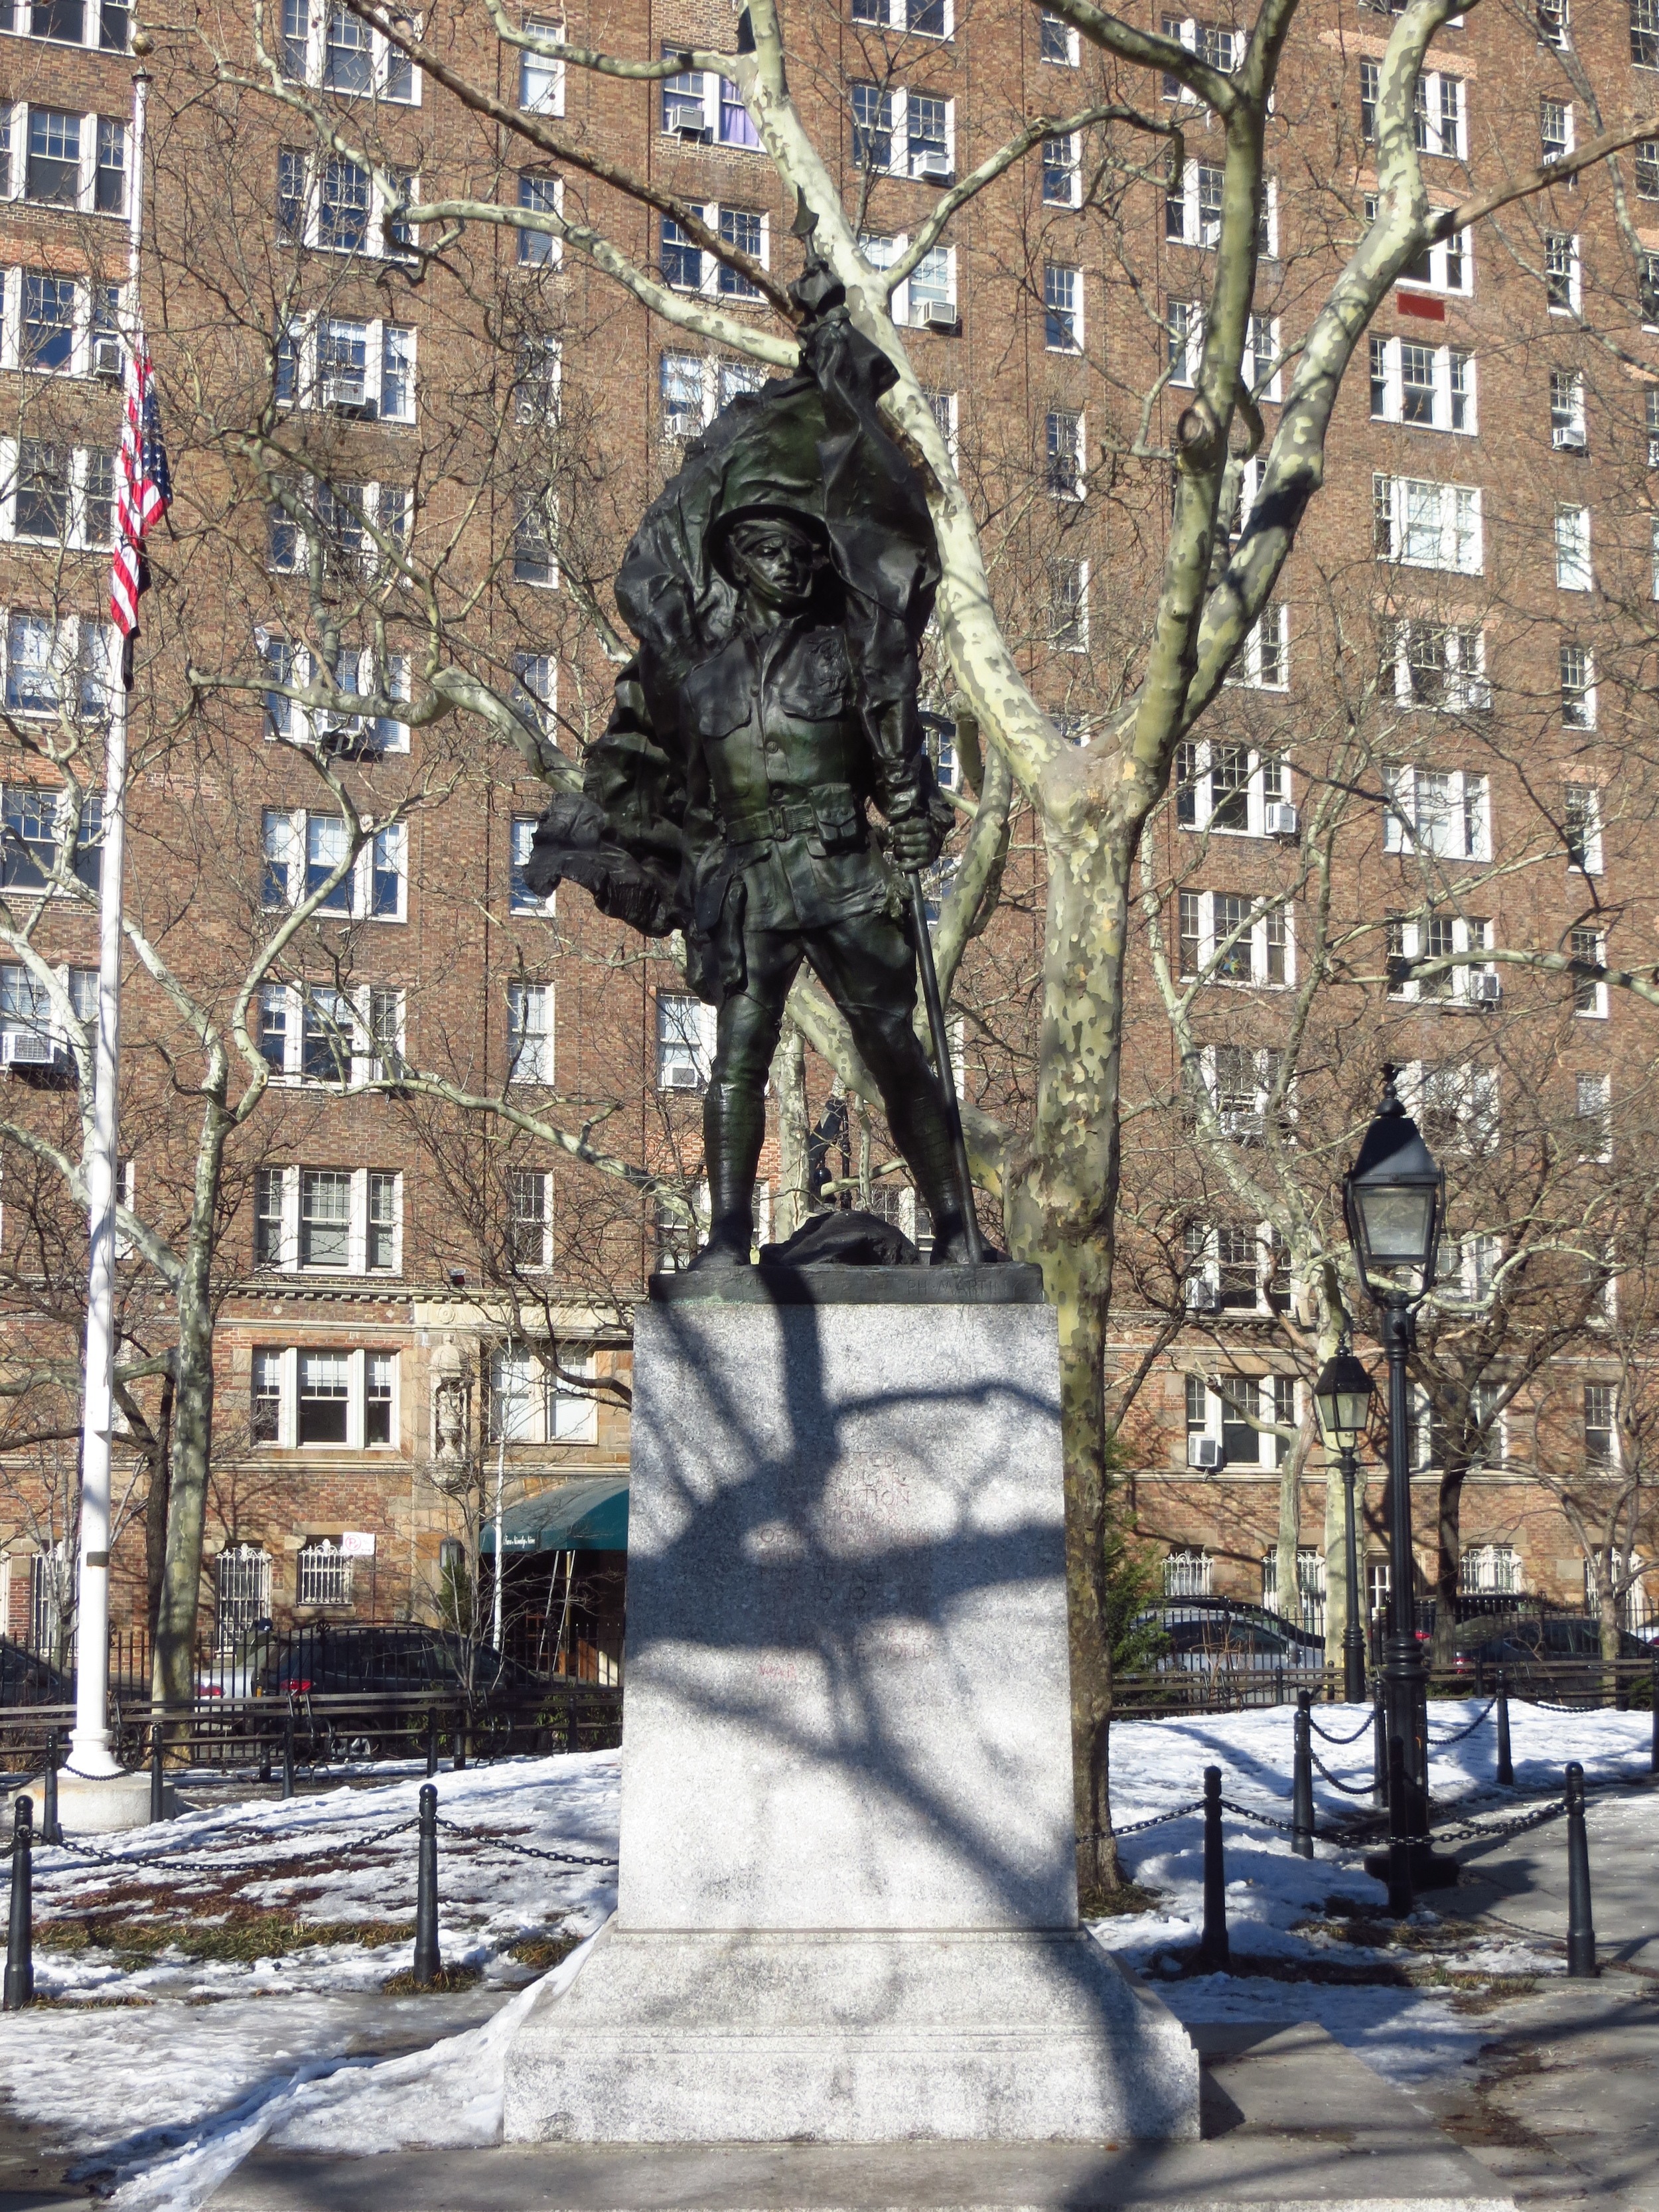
1440	122
318	1034
347	368
1059	41
1219	47
1231	937
1644	34
1191	208
1232	789
1237	1083
1068	606
1236	1418
541	198
242	1592
1430	388
1185	325
1061	171
699	107
685	1042
1263	660
537	371
1494	1568
530	1240
53	176
1455	1104
1443	812
873	127
541	78
1567	429
1563	275
530	1032
1602	1424
1582	815
1572	548
535	689
1309	1608
539	1397
685	392
1555	131
1577	685
343	1399
324	1572
325	1219
1371	86
1587	949
346	1221
745	234
1441	667
1063	308
1187	1574
1424	524
927	297
521	898
109	195
533	559
48	332
926	19
1065	443
1436	937
1593	1111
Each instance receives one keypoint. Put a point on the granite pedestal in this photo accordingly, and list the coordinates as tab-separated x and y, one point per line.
847	1904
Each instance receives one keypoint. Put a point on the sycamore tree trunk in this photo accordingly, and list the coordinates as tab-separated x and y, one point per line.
789	1208
155	1508
173	1661
1061	1209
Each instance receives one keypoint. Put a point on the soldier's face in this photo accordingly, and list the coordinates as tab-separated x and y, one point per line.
775	563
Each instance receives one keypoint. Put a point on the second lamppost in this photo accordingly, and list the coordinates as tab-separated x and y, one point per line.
1343	1397
1394	1197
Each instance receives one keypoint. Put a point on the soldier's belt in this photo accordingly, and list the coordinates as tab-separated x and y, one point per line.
832	813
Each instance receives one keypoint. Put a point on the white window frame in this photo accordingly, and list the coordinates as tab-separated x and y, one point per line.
1196	229
1440	125
1077	641
287	1360
385	507
364	1059
1470	936
379	243
79	460
1245	1125
1253	943
1568	429
539	1408
1184	353
382	53
1202	1267
1062	176
895	15
525	903
1263	1428
1385	353
1592	1113
1401	520
35	1015
1476	1109
1271	630
549	98
719	378
538	1183
1567	144
1589	994
1221	45
702	92
288	1181
1262	354
390	845
710	265
382	340
1468	813
1451	260
1578	700
901	163
1267	784
91	36
1068	34
1077	339
1573	304
531	1044
86	182
686	1036
82	654
1573	563
1073	452
287	722
1461	664
1588	828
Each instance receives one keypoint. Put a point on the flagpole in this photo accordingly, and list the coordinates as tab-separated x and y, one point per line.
89	1752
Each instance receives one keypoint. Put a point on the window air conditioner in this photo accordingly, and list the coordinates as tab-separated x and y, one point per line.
344	394
1241	1124
940	315
1203	1451
1202	1296
684	119
31	1049
1485	989
683	1076
106	360
1568	440
934	166
1280	821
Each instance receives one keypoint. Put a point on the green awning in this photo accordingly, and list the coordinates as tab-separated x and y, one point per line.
590	1516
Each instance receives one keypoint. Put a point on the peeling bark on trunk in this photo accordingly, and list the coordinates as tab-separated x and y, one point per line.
789	1082
173	1665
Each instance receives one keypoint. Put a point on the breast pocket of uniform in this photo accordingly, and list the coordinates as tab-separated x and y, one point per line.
719	704
817	687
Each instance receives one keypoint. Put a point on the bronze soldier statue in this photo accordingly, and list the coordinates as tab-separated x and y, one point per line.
779	589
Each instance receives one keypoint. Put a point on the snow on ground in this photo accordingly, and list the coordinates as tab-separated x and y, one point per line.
165	2069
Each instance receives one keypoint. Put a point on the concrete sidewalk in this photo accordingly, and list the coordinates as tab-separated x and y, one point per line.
1291	2120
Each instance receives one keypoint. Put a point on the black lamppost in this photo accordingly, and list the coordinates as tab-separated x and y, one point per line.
1394	1197
1343	1397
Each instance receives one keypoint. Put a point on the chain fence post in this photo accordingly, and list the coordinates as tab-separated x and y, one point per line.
20	1936
158	1784
1400	1897
1379	1746
1302	1800
431	1740
458	1744
1653	1753
264	1755
287	1750
51	1832
1213	1952
426	1892
1581	1930
1505	1762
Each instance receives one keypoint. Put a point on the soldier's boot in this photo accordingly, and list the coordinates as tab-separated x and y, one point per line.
916	1119
733	1130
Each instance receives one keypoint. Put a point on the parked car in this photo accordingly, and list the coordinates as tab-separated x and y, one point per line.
1535	1648
325	1662
1206	1632
26	1679
241	1671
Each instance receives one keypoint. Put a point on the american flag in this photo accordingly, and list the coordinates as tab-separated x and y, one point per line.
143	491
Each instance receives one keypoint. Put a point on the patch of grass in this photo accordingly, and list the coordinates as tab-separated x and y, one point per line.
1113	1904
447	1979
541	1952
243	1934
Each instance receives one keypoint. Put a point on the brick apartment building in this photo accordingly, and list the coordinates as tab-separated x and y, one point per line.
389	466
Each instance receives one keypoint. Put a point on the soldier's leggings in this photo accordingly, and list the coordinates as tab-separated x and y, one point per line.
868	968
